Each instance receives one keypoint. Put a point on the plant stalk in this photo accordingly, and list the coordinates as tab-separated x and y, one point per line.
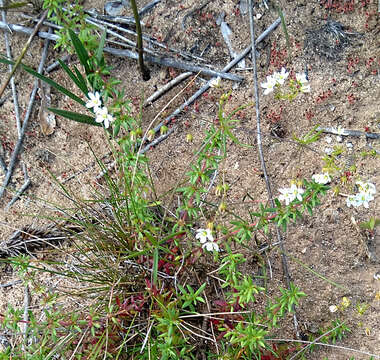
144	70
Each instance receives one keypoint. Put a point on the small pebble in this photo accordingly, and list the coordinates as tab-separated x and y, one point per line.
376	276
328	151
349	145
328	139
339	138
303	251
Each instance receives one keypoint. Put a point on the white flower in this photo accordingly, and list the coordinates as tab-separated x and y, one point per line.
94	102
211	246
286	196
281	76
269	85
215	82
333	308
368	188
289	194
353	200
301	78
323	178
297	192
328	139
328	150
364	199
205	237
102	116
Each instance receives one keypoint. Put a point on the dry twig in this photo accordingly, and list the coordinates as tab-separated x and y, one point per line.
261	155
18	146
23	52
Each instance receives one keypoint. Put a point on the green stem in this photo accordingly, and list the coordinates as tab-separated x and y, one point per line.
144	70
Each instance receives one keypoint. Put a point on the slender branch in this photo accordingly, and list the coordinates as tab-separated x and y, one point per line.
261	155
166	88
166	61
327	345
145	73
18	146
205	87
12	80
23	52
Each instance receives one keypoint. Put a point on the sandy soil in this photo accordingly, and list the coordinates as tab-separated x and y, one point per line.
345	89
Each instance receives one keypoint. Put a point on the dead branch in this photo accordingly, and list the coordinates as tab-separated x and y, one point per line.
23	52
262	159
166	88
18	146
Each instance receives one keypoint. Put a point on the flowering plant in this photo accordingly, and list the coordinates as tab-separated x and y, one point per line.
277	79
363	197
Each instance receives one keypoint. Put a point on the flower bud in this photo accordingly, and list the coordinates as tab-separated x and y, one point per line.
133	135
218	190
210	225
150	135
222	206
163	129
189	138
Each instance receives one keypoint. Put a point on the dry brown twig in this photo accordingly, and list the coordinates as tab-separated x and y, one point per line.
262	159
18	146
23	51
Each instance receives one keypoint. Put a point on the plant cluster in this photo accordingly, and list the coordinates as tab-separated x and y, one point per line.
147	266
296	86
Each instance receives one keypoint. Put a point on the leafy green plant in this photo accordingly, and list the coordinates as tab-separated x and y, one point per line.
371	224
136	258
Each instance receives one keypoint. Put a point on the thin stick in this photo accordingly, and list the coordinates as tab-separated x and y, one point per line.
10	284
5	98
327	345
133	55
56	64
3	165
261	155
166	88
12	80
173	63
129	20
345	132
26	184
148	7
205	87
145	73
316	340
23	52
18	146
27	31
149	39
26	313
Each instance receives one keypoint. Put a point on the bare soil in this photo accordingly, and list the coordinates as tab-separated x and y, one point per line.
345	89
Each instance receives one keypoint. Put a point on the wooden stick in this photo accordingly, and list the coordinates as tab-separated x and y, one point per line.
173	63
127	53
23	52
165	88
262	159
12	80
18	146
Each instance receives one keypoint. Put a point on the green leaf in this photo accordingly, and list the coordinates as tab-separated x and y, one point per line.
75	116
53	84
99	51
78	82
81	51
